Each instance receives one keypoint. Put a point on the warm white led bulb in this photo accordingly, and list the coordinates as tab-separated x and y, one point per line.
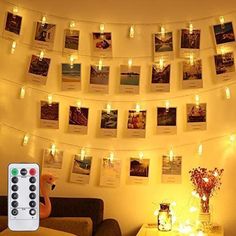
227	93
163	31
137	108
161	63
15	10
222	20
171	155
108	108
131	31
100	64
197	100
111	157
22	92
50	97
191	59
78	104
190	28
82	154
232	138
44	20
200	149
53	149
141	155
72	24
72	59
130	62
41	55
167	105
102	28
13	47
25	140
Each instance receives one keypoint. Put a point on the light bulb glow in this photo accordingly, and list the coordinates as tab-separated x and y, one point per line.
41	55
191	59
108	108
43	20
192	209
227	93
141	155
161	63
167	105
222	50
78	104
197	100
72	59
215	174
171	155
22	92
50	97
102	28
13	47
190	28
137	108
163	31
111	157
100	64
130	62
200	149
204	198
15	10
25	140
82	154
53	149
131	31
222	20
206	180
232	138
72	24
156	212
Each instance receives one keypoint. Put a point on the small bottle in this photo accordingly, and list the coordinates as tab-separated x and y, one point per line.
164	220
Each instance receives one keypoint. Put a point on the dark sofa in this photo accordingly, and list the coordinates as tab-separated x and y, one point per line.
73	215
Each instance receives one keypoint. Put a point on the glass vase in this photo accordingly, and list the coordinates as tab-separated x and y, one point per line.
205	215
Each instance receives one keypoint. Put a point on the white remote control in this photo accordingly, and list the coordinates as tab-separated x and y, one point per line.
23	197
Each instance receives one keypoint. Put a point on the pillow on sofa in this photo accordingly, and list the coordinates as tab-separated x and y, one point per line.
40	232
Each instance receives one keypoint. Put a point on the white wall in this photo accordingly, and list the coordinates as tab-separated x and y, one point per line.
131	205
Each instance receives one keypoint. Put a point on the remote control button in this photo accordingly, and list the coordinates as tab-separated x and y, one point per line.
14	180
32	188
14	172
32	196
14	196
14	204
23	171
32	180
32	171
32	212
14	212
14	188
32	203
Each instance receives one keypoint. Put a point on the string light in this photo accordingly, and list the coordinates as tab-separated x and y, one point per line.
192	209
227	93
131	32
13	47
137	108
22	93
100	64
190	28
102	28
163	31
191	59
200	149
197	101
108	108
171	154
161	63
232	138
78	104
205	180
222	20
130	62
204	198
111	157
72	24
167	104
82	154
15	10
141	155
41	55
72	59
25	140
50	99
53	149
43	20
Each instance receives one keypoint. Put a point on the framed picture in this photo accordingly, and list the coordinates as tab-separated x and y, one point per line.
44	35
160	78
139	171
196	116
110	172
224	66
13	25
163	45
136	126
102	44
81	169
166	120
129	79
190	42
192	74
78	120
71	41
71	76
108	125
49	115
171	169
38	69
99	79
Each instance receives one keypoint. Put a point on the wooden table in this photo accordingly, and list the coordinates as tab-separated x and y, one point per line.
151	230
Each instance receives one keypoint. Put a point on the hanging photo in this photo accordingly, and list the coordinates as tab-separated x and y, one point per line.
163	45
80	170
166	120
136	126
160	78
99	79
190	42
192	74
196	116
102	44
129	79
71	41
110	172
44	35
71	76
52	163
78	120
49	115
224	36
138	171
38	69
171	169
108	126
224	66
13	25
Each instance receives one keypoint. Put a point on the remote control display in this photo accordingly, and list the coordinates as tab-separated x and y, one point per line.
23	197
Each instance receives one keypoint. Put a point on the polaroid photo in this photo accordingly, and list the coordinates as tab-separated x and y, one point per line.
163	46
38	69
78	120
224	36
71	41
136	125
160	78
192	74
224	66
12	26
130	79
52	162
102	44
99	79
166	120
171	170
110	172
108	125
71	77
80	169
138	171
44	35
49	115
190	42
197	116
